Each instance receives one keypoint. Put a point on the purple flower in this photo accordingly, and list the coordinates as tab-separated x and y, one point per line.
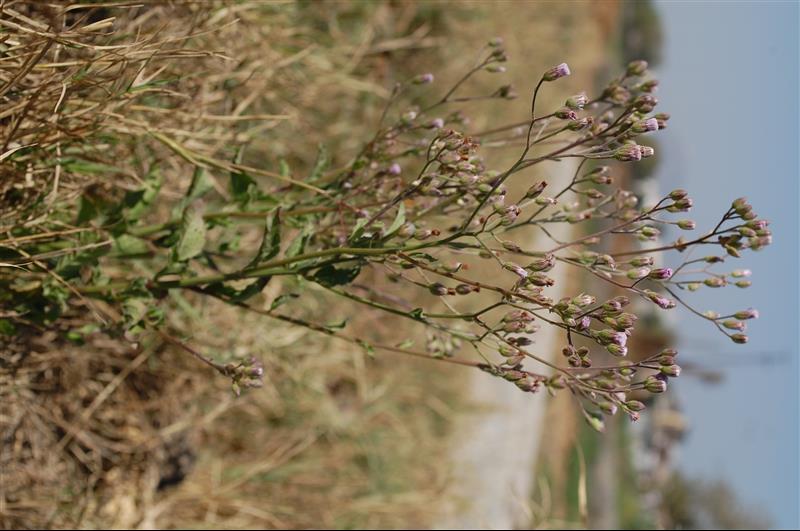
557	72
662	273
628	153
662	302
394	169
645	126
423	79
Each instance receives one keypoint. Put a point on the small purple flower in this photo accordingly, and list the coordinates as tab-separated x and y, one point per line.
628	153
645	126
423	79
662	302
437	123
577	102
662	273
557	72
394	169
517	270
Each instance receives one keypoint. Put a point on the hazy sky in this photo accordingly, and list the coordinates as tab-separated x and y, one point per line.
730	81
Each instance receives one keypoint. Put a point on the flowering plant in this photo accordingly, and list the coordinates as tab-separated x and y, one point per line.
415	204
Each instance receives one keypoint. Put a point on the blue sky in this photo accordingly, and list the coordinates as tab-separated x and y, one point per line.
730	81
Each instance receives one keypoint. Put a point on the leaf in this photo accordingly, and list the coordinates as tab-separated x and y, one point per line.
192	235
594	420
201	184
418	314
282	299
240	185
331	276
398	222
368	349
270	242
238	295
138	202
127	245
320	165
298	245
336	326
358	230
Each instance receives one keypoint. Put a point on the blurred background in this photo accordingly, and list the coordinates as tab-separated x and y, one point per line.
337	439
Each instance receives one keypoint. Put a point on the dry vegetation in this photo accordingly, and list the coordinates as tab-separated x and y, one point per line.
98	430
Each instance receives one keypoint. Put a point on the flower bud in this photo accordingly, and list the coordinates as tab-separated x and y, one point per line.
577	102
678	194
635	405
617	350
566	114
628	153
662	302
438	289
557	72
749	313
463	289
607	407
642	261
733	324
687	224
394	169
517	270
655	385
739	338
714	282
662	273
637	273
645	126
423	79
672	371
636	68
535	190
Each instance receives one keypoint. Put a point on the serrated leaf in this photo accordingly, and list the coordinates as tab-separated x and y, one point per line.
192	235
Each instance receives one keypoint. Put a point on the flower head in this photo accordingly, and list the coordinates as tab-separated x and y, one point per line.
557	72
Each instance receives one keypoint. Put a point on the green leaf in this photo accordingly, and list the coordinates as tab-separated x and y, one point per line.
331	276
192	235
368	349
595	420
240	186
138	202
7	328
418	314
398	222
358	230
127	245
201	184
270	242
298	245
320	165
282	299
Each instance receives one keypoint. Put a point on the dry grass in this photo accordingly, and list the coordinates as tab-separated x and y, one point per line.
98	434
